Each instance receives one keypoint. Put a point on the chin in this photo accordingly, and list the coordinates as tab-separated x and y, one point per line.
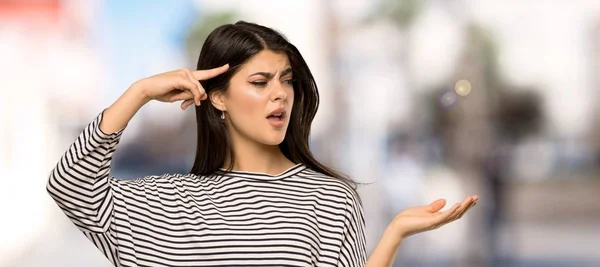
274	139
273	142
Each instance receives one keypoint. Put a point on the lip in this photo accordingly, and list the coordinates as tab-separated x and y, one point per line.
278	110
277	123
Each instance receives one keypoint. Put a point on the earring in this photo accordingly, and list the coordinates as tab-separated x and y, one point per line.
223	115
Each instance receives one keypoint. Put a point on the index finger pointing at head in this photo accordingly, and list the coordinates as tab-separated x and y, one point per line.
207	74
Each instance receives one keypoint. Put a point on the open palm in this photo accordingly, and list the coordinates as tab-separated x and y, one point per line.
424	218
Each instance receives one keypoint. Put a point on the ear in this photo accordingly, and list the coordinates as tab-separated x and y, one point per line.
217	99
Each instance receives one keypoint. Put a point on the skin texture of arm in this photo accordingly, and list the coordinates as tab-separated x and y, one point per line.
412	221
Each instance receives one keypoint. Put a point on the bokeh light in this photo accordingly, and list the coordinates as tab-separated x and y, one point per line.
448	98
462	88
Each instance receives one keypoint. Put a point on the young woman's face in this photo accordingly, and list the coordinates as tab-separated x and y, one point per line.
260	98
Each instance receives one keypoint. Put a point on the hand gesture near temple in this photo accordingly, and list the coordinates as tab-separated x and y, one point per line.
178	85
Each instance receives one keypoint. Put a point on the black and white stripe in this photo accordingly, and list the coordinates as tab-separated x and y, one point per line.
297	218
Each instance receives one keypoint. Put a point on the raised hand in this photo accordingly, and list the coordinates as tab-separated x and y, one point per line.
178	85
424	218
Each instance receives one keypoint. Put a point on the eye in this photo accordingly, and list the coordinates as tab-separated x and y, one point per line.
290	81
259	83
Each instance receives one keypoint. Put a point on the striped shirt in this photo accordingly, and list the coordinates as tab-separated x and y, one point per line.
297	218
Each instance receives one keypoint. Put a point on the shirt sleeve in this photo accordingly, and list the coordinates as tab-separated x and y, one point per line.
80	185
353	252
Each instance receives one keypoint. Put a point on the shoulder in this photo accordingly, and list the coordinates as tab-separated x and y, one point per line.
352	204
335	185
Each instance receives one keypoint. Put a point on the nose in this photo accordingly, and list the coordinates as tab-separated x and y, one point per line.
279	93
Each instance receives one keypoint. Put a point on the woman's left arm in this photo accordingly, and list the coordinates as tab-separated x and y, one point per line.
412	221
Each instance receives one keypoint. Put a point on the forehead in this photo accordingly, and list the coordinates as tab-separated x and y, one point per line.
266	61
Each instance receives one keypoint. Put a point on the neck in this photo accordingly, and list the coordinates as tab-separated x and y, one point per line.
252	156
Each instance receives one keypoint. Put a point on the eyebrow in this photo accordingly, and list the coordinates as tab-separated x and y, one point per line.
269	75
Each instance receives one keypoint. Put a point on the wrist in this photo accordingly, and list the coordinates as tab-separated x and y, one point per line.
138	91
393	235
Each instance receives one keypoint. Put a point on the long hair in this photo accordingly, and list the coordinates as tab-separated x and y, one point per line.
235	44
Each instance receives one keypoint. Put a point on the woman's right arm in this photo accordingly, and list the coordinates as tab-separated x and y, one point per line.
80	182
179	85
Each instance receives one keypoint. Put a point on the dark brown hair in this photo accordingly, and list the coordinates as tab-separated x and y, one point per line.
235	44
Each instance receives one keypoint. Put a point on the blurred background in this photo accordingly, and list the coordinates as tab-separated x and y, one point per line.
421	99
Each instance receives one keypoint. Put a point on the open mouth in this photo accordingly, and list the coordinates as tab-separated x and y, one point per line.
277	118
